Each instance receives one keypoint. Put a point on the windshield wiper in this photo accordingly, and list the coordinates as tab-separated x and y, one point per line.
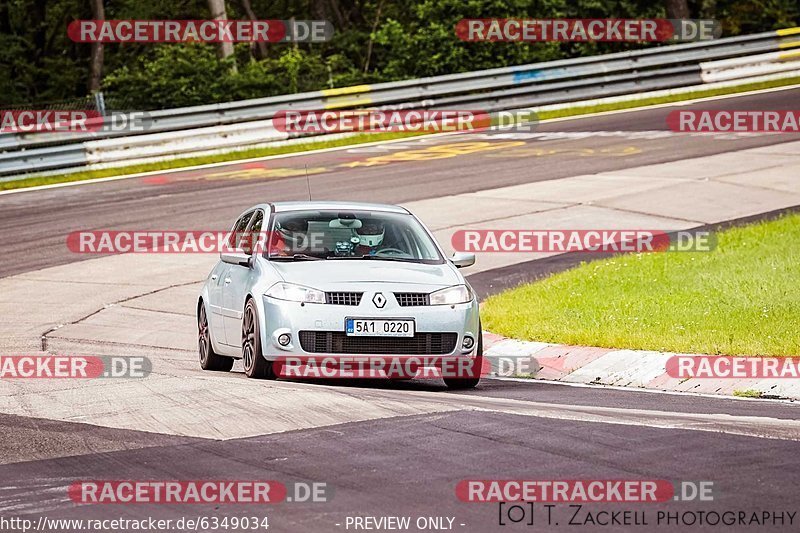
376	257
296	257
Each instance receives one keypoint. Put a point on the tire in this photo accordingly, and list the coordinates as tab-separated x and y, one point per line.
208	359
469	383
255	366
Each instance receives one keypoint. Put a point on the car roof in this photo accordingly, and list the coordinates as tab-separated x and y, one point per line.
279	207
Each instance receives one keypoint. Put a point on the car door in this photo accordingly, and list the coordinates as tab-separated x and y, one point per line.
215	323
236	283
226	311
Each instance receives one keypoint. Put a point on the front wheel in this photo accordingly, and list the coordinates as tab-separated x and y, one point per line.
471	382
255	366
209	360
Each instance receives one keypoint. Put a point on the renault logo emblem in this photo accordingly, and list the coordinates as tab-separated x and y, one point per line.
379	300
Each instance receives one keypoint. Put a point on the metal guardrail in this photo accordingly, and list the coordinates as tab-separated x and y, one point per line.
488	90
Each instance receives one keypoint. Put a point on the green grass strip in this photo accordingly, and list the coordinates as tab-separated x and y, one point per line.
742	298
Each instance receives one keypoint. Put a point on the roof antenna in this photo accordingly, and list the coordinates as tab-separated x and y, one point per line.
308	183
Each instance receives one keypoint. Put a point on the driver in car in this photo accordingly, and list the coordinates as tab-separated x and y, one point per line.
370	237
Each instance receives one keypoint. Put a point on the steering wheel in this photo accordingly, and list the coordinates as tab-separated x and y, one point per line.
392	251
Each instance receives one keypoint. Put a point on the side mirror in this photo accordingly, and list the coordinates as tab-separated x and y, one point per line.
463	259
235	258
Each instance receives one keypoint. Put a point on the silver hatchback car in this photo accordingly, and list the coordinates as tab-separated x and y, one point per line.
338	280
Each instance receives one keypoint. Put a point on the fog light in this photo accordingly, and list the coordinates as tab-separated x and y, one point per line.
284	339
468	343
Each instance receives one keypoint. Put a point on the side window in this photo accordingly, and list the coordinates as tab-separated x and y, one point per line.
258	221
238	230
252	237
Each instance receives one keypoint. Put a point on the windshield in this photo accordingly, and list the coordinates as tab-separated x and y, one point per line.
331	235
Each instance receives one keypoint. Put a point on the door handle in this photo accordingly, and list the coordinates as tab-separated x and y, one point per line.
214	277
227	280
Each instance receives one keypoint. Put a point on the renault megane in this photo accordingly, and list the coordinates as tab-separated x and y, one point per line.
336	279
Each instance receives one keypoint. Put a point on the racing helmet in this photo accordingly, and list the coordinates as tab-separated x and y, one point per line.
370	233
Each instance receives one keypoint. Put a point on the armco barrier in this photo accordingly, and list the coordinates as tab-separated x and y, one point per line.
219	127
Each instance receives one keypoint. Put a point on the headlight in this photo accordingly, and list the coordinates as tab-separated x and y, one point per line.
295	293
459	294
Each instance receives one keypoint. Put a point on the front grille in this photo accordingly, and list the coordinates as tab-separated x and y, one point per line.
410	299
343	298
339	342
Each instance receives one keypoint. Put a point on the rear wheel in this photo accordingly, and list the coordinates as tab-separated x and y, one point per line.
255	366
471	382
208	359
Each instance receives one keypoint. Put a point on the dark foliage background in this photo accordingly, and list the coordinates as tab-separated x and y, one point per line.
39	65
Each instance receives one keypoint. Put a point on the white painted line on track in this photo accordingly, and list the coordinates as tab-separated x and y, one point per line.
744	425
620	388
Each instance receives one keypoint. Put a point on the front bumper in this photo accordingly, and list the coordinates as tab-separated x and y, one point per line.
281	317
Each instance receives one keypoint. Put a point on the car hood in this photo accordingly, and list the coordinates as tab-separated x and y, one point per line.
327	275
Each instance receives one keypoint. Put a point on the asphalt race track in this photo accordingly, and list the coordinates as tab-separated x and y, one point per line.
384	448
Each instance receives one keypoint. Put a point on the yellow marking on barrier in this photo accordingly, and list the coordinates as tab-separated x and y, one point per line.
792	44
336	103
789	55
355	89
788	31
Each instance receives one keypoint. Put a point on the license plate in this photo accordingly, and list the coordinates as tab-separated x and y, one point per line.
367	327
